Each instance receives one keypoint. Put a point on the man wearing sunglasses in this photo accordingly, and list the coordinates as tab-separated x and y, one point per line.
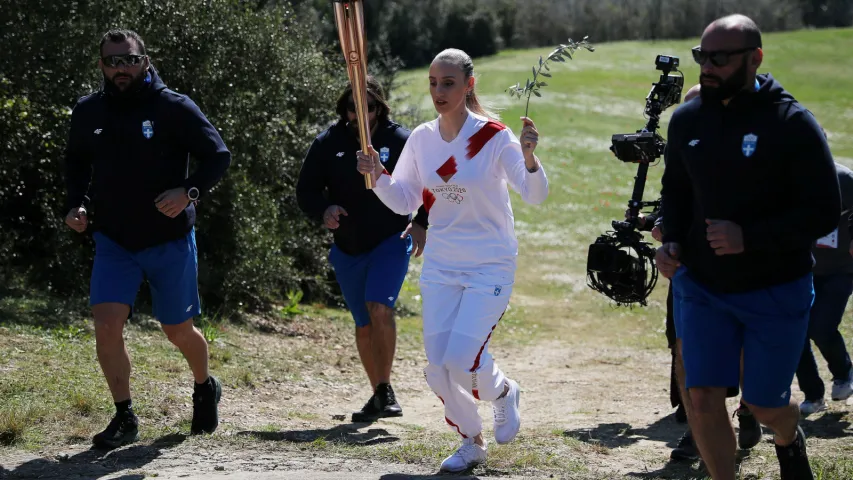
749	185
127	160
372	244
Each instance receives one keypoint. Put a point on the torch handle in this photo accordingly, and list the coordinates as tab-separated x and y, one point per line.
349	18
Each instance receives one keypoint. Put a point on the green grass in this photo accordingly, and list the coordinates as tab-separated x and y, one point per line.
52	388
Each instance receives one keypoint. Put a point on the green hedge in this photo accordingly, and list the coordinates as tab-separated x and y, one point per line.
257	73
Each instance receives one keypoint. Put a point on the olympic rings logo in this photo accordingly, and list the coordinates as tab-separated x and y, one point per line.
453	197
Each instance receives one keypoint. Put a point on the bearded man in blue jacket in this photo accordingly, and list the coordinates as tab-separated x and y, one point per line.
127	160
748	187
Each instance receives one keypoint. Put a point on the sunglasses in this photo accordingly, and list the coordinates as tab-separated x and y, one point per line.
129	60
718	58
371	107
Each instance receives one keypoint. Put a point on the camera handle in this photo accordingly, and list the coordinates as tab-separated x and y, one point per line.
636	202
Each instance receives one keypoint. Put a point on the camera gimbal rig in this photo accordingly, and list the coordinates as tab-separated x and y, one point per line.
620	264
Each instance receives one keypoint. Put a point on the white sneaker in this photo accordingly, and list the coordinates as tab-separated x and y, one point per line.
468	456
507	416
843	389
809	407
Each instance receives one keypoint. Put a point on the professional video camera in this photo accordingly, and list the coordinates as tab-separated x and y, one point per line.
620	264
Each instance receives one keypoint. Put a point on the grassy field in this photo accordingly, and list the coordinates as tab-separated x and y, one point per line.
595	376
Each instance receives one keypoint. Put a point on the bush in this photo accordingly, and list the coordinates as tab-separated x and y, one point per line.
257	73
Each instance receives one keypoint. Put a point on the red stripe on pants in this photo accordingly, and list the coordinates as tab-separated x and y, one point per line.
483	347
455	426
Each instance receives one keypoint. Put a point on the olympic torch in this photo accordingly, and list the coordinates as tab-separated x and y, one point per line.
349	18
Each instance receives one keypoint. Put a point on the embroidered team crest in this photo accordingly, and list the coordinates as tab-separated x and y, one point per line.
748	146
148	129
384	154
497	290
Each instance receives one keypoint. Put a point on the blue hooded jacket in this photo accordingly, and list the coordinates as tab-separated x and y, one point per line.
126	148
761	162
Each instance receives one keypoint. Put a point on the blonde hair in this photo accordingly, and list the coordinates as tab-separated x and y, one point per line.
463	62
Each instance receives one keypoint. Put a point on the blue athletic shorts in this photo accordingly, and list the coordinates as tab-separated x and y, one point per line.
171	269
769	324
375	276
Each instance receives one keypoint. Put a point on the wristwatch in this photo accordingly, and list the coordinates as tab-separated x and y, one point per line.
192	194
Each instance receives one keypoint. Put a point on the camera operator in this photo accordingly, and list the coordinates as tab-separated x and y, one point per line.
746	283
692	93
647	222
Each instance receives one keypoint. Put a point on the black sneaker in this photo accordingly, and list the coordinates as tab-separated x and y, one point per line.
686	449
123	429
369	412
388	406
206	406
793	460
749	430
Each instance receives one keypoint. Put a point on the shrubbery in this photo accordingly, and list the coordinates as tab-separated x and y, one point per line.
256	73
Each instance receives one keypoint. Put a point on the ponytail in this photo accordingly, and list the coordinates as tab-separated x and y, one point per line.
474	104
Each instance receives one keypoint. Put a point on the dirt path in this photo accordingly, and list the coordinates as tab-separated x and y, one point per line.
606	409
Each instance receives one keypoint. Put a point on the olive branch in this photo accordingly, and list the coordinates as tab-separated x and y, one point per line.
560	54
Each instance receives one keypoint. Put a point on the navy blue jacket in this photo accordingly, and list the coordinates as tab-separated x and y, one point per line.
127	148
831	261
761	162
329	177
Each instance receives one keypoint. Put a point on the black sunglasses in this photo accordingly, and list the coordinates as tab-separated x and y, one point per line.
371	107
129	60
718	58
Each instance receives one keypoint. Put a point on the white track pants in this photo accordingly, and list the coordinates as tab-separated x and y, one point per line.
460	311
